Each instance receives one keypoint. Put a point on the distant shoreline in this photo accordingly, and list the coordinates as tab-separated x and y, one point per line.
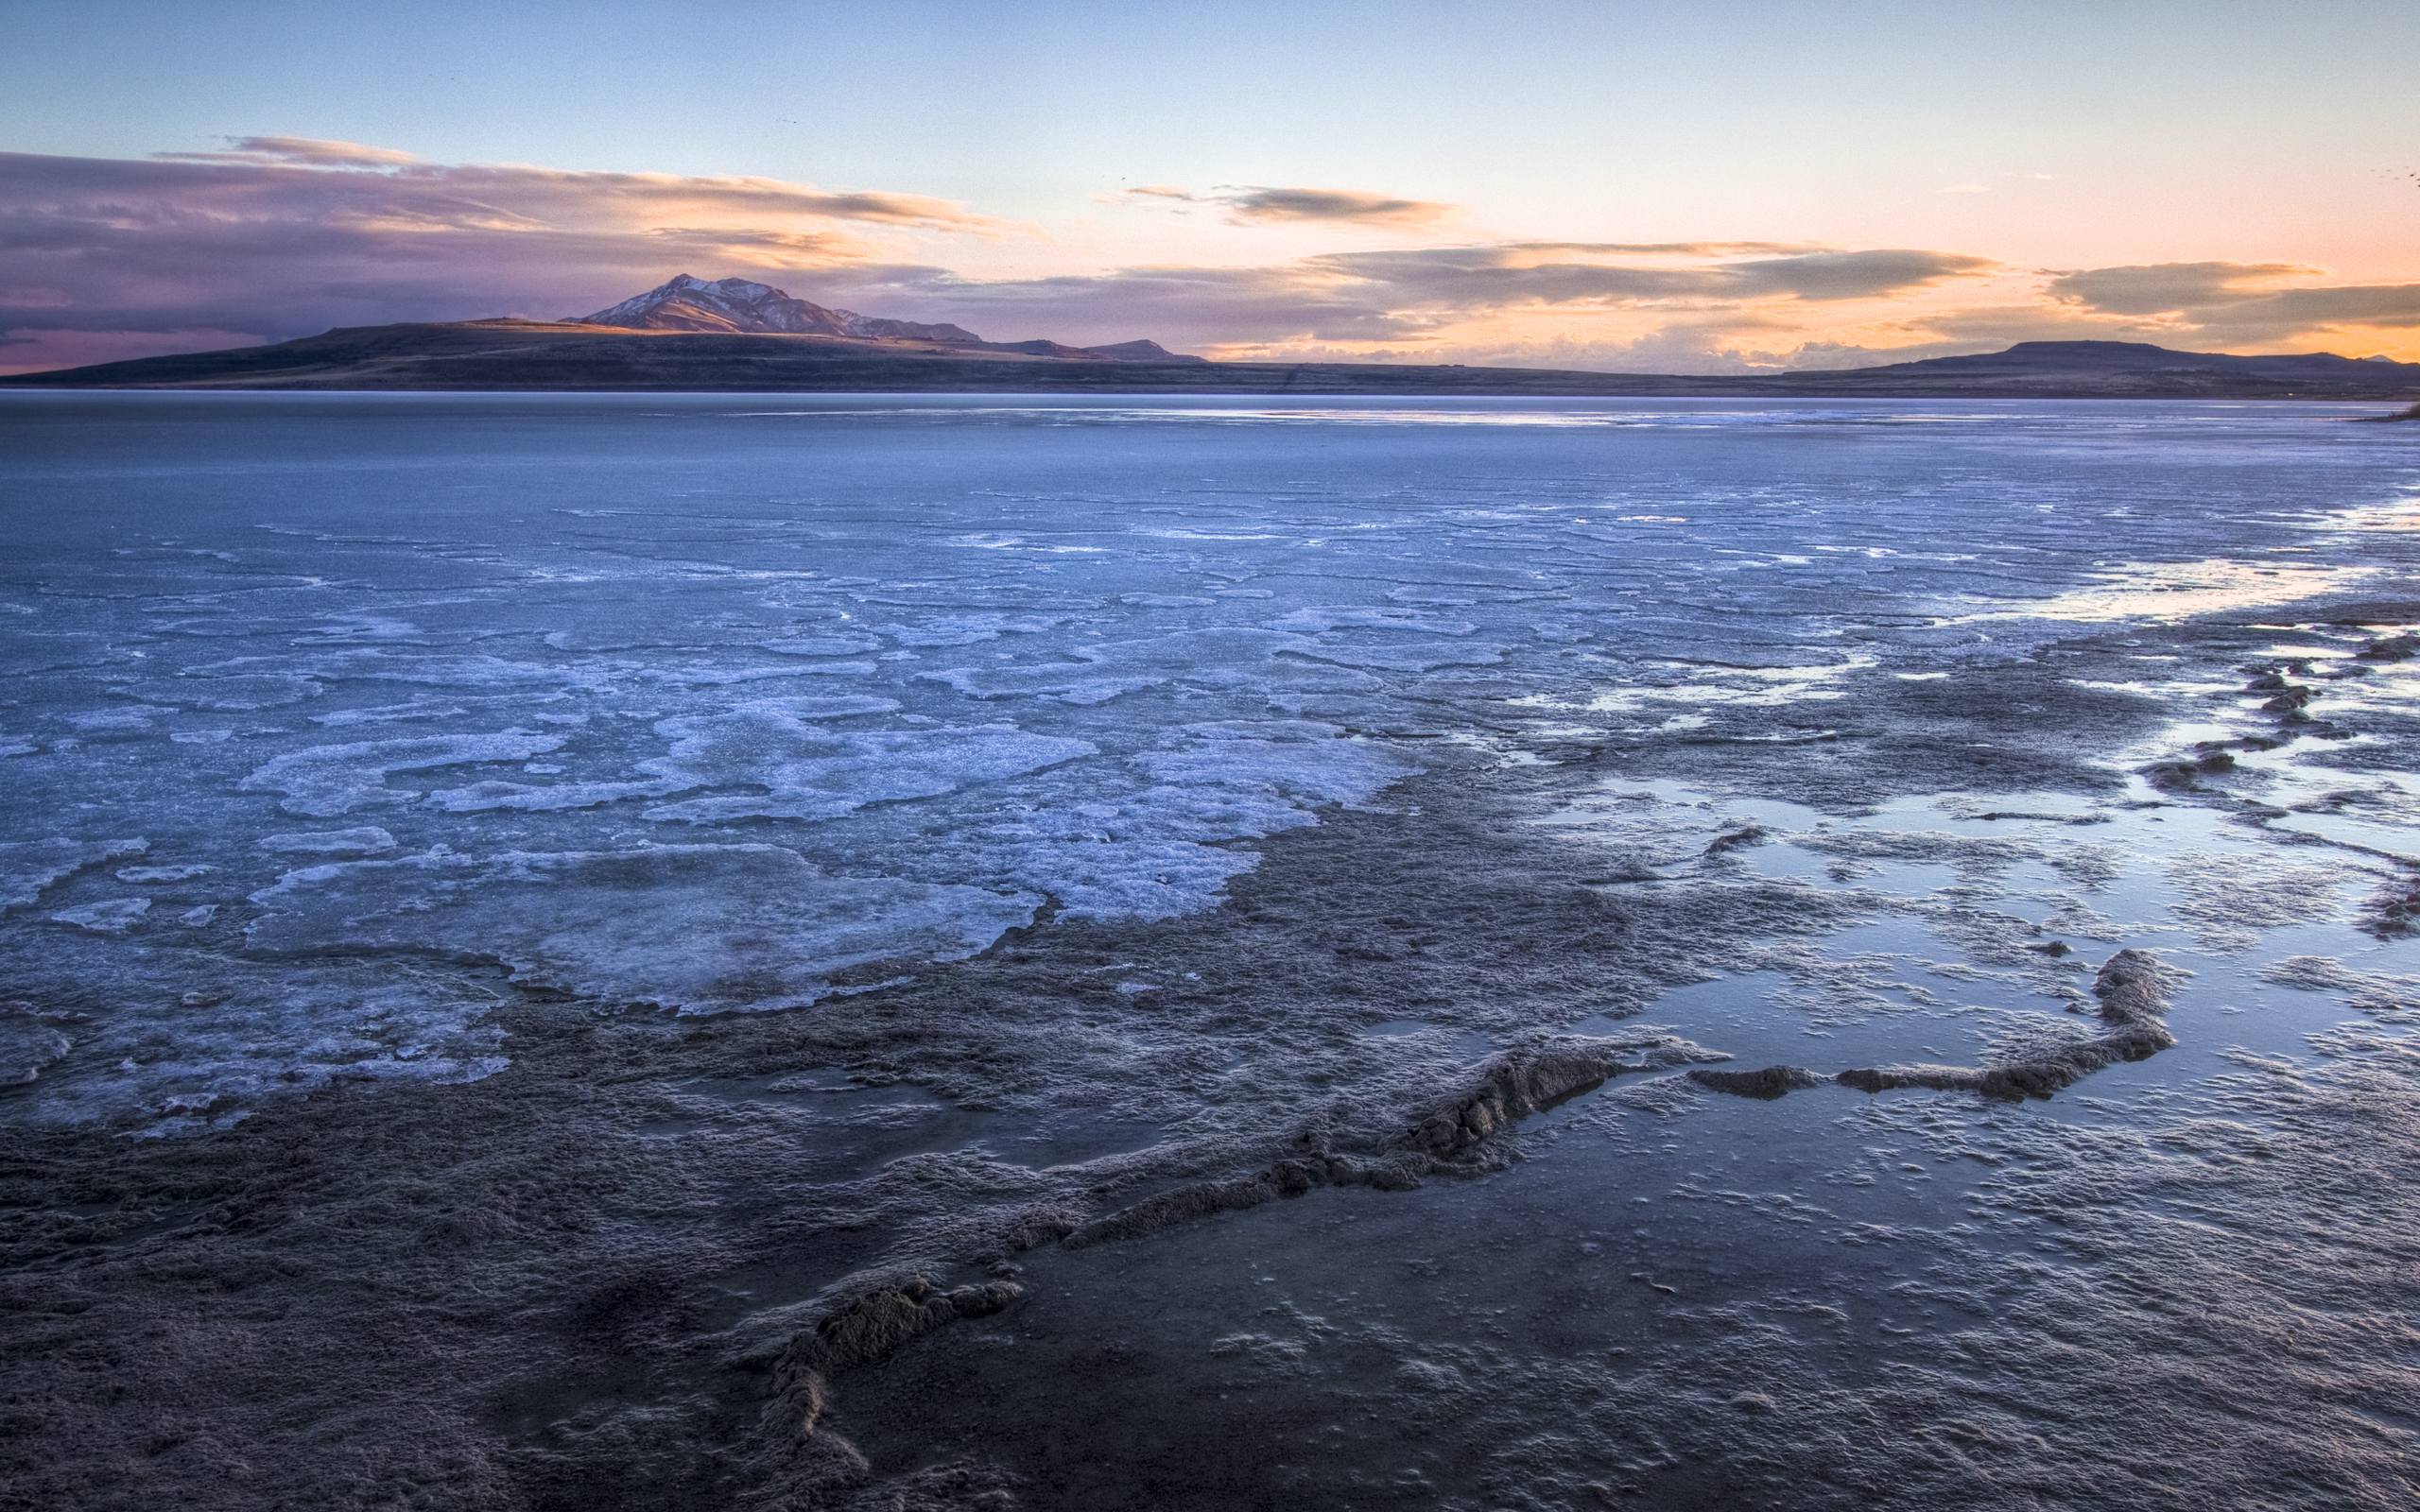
517	357
15	386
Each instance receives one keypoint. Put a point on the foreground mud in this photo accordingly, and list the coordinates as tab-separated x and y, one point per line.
1419	1190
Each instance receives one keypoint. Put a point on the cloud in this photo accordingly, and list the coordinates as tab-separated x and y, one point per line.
1410	299
2250	304
281	237
309	151
1579	273
1964	189
1667	248
1188	307
1265	204
2157	288
1259	203
2314	313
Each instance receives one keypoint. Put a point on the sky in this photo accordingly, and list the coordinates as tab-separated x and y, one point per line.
1673	187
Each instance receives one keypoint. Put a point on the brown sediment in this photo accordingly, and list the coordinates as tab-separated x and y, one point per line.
2394	910
1504	1090
2186	771
1765	1084
2134	992
864	1330
1738	837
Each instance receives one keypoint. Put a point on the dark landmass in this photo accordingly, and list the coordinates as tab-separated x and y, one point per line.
688	334
577	355
735	306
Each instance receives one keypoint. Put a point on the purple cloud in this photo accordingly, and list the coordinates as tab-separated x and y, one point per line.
282	236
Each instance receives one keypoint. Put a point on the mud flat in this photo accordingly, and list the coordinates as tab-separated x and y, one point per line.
1242	997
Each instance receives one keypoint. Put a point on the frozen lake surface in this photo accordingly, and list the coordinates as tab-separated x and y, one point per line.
987	823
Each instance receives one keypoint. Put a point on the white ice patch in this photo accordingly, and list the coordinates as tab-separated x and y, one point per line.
1405	655
238	695
365	840
189	1057
149	874
479	671
388	714
529	797
114	916
1320	619
706	928
1280	756
797	768
843	643
1164	849
115	724
30	867
2179	590
1225	659
968	629
723	674
326	780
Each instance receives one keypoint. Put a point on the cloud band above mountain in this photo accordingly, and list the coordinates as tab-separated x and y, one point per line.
276	236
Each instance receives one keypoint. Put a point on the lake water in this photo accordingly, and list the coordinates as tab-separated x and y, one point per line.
1096	793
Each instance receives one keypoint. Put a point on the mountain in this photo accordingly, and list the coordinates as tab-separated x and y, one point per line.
590	355
735	306
1141	351
2121	363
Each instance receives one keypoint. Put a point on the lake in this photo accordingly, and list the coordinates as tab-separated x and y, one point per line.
583	890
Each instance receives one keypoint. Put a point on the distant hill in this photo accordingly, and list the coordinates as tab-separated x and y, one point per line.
735	306
688	349
2136	364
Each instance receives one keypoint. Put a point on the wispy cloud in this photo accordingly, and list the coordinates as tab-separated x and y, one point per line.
2254	304
1416	297
1264	204
1579	273
309	151
2160	289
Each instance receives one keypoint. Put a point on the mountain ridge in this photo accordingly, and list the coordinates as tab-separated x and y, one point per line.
738	306
513	354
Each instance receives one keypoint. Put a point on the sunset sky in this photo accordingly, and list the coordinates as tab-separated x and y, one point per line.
1664	188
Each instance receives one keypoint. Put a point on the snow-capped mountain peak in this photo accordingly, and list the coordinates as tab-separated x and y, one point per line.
738	305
